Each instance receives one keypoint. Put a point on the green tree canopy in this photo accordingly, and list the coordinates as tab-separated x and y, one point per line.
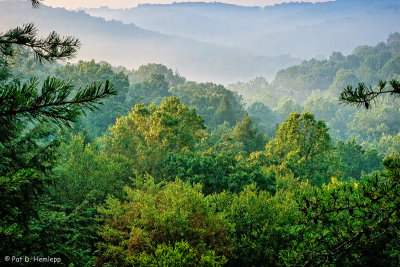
87	72
214	102
246	132
157	215
152	89
148	134
303	146
145	72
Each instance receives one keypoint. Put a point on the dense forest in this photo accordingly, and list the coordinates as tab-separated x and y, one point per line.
102	165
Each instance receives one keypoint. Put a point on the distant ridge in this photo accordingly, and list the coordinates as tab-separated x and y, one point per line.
216	41
132	46
302	29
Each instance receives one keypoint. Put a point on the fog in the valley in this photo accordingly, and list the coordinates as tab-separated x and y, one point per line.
214	41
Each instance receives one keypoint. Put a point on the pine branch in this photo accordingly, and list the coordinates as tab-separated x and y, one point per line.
48	48
363	95
55	101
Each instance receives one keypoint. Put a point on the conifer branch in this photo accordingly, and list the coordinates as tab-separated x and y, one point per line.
55	101
48	48
363	95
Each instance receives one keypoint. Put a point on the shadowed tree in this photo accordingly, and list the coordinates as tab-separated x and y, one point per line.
28	114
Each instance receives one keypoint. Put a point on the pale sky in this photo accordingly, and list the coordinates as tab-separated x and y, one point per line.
71	4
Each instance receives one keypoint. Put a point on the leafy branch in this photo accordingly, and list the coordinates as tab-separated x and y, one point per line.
344	218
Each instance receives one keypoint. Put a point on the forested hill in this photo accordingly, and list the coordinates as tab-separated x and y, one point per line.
315	86
304	30
328	77
132	46
367	64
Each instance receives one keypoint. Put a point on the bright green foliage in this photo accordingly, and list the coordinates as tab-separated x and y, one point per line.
257	216
216	171
250	211
221	200
84	170
215	103
219	140
259	220
148	134
356	160
179	254
350	224
155	215
303	146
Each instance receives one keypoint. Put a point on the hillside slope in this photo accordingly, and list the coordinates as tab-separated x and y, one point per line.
132	46
302	30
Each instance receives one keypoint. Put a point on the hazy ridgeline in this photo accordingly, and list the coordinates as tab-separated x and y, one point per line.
198	60
216	42
175	169
303	30
313	85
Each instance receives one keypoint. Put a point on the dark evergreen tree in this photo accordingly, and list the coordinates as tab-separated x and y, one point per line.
28	113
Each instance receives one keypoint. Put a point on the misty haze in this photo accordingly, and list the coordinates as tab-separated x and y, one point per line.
214	41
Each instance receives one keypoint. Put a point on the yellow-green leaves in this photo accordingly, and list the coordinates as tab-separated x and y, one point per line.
154	217
148	134
303	146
